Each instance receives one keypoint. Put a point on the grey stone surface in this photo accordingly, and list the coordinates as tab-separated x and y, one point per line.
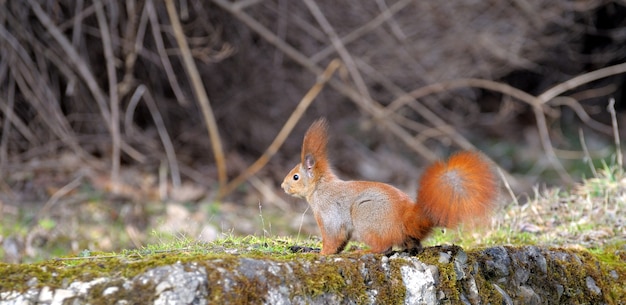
503	275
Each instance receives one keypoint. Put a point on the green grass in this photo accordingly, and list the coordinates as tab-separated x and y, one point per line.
589	215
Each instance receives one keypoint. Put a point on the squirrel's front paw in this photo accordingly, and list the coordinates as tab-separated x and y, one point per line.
304	249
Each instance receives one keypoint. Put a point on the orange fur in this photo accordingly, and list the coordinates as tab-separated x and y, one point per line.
462	189
314	143
379	214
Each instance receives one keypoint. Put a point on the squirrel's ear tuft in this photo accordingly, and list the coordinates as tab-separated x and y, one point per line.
316	139
309	162
313	158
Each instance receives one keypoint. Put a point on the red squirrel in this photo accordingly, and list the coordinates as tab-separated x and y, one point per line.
380	215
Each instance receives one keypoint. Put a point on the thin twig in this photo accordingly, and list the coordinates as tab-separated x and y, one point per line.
268	35
439	124
281	29
6	126
302	222
341	48
242	4
114	123
79	16
369	105
200	92
581	136
76	31
269	193
44	101
301	24
507	185
165	137
165	61
77	62
10	116
74	58
135	30
544	135
393	24
542	126
66	189
366	28
522	96
580	112
304	103
27	74
577	81
170	152
618	146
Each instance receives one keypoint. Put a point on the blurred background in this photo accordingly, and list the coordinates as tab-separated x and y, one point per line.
105	143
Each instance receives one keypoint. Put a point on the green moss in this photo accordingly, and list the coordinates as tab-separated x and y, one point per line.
390	287
338	275
447	277
570	272
613	254
54	273
569	268
598	266
349	275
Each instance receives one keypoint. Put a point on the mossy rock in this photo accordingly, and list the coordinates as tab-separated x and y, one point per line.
438	275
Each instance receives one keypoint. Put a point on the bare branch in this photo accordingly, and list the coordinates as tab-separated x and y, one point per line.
114	124
304	103
200	92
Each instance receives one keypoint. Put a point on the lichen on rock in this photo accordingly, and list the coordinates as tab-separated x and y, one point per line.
438	275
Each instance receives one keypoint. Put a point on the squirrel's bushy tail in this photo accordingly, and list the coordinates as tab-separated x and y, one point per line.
460	190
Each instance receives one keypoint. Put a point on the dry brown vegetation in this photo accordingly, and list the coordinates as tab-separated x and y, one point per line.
173	101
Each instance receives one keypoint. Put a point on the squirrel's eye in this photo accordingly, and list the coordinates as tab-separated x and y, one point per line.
296	177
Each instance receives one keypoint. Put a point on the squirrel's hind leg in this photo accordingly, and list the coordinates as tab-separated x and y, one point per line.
332	247
412	245
333	244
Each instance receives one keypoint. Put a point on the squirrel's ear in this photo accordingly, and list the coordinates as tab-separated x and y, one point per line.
309	162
